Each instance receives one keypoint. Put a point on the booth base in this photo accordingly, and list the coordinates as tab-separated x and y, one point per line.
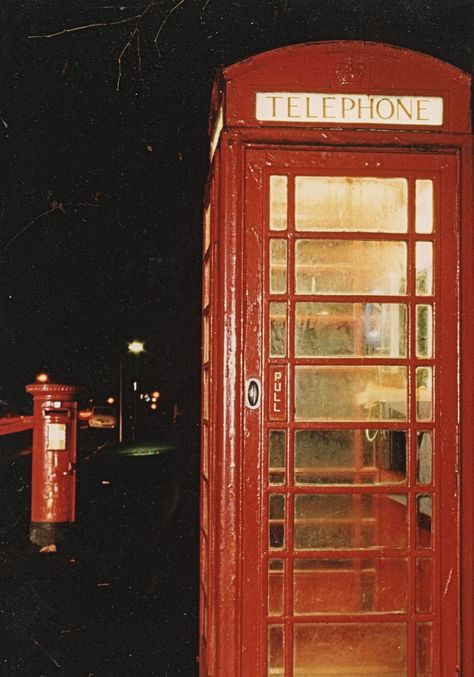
48	533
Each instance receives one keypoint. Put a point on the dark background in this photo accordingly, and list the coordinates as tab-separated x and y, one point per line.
102	180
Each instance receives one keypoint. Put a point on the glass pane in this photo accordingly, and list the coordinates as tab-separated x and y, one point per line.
350	393
350	267
276	525
205	394
341	521
350	329
424	584
278	266
277	506
424	331
424	206
275	650
424	268
206	283
349	586
277	329
205	351
275	586
278	202
276	457
424	650
204	612
350	649
207	228
367	456
424	458
350	203
204	505
205	450
424	511
424	393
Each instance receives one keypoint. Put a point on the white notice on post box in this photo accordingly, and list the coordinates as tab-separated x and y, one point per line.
377	109
56	436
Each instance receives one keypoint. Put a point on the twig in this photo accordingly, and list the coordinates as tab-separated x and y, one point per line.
46	653
130	40
139	57
205	5
120	57
173	9
40	216
54	207
134	33
135	17
84	27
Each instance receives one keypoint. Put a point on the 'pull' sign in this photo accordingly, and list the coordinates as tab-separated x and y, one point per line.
277	395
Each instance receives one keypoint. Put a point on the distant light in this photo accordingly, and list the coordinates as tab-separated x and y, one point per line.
153	405
155	393
42	378
136	347
135	386
110	400
153	399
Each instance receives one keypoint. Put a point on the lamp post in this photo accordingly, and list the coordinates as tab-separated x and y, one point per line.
135	347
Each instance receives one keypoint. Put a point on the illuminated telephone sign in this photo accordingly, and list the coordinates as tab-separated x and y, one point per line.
349	108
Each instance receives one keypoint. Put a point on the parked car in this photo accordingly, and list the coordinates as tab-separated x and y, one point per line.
102	417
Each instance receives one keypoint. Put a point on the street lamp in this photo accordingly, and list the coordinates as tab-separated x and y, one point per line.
135	347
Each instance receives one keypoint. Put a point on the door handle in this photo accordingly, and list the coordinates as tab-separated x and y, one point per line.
253	393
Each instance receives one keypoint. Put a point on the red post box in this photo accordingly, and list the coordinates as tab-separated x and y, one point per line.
337	473
53	484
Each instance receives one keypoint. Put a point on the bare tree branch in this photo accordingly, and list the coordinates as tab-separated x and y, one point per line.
122	53
84	27
134	34
173	9
128	44
139	57
55	206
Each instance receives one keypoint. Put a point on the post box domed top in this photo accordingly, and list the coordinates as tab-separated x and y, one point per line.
46	391
344	84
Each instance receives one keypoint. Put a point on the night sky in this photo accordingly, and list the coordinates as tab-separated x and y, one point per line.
103	172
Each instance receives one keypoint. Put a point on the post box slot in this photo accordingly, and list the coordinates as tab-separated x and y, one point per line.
57	412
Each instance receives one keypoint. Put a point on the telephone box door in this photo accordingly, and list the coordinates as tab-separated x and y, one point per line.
350	534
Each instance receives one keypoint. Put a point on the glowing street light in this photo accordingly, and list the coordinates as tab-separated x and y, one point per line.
135	347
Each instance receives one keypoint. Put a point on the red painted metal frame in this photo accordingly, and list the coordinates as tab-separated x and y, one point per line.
278	167
236	502
15	424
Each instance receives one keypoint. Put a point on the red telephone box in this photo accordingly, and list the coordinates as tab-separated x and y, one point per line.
53	483
337	465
